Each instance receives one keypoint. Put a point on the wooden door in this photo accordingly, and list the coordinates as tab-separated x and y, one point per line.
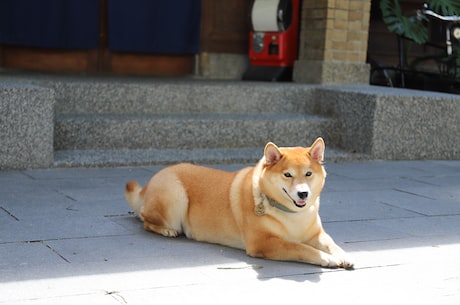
225	26
224	29
100	60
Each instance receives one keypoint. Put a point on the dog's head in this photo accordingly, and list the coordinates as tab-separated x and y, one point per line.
293	176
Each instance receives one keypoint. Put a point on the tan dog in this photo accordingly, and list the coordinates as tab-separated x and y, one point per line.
271	210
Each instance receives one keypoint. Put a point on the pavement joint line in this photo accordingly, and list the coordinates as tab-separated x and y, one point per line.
65	195
25	173
375	267
414	194
119	215
9	213
402	208
56	252
64	238
382	219
373	240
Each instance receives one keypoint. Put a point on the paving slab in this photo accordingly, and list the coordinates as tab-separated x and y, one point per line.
365	205
68	237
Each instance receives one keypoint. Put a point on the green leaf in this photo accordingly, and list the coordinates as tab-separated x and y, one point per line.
445	7
410	27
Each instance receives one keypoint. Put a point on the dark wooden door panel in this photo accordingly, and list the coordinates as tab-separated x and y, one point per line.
51	60
225	25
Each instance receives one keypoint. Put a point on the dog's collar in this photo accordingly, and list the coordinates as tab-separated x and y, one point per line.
279	206
260	208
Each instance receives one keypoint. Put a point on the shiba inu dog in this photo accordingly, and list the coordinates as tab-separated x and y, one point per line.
270	210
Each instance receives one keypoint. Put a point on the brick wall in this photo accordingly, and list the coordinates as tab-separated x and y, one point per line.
334	30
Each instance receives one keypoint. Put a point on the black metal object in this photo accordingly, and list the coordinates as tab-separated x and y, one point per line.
268	73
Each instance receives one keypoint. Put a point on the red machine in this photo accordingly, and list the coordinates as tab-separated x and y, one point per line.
273	42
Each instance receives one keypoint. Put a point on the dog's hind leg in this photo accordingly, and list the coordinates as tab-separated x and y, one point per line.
163	218
166	205
160	229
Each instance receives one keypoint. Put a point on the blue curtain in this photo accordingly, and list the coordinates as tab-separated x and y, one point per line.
144	26
154	26
68	24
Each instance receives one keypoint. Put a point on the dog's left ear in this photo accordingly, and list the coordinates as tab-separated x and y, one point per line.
317	150
272	153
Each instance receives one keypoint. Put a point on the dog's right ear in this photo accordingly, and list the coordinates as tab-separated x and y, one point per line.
272	153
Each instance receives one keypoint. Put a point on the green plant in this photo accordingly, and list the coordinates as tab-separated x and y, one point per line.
414	27
445	7
411	27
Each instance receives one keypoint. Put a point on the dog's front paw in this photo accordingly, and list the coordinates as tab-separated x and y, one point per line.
330	261
346	261
342	260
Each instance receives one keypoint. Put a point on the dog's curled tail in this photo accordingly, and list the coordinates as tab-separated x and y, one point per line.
133	196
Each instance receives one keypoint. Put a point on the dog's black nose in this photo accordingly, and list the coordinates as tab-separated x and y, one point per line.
302	195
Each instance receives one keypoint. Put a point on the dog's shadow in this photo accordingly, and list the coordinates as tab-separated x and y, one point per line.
225	259
270	269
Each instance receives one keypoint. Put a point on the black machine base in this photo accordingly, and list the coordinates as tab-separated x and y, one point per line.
268	73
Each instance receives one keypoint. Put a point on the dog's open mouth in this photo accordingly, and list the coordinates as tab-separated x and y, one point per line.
297	203
300	203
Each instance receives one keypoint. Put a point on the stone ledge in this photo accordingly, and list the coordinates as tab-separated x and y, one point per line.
394	124
331	72
26	125
137	157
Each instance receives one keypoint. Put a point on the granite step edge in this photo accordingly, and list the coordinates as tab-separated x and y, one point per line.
141	157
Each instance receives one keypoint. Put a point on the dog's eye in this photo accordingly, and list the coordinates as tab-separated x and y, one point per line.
287	175
308	174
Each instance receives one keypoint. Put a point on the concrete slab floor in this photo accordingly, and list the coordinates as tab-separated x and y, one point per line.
67	237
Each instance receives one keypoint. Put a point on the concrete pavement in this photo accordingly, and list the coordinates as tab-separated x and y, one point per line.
67	237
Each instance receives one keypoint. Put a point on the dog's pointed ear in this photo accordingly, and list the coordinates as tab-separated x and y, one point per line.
272	153
317	150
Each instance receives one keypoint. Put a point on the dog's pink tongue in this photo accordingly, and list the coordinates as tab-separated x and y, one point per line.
301	203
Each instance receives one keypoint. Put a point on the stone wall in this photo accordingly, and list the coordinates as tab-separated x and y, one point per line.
394	124
26	126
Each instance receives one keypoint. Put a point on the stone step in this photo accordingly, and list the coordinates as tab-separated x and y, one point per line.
116	121
103	121
135	157
189	131
147	96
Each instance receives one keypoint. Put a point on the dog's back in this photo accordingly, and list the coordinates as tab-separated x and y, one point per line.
189	199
